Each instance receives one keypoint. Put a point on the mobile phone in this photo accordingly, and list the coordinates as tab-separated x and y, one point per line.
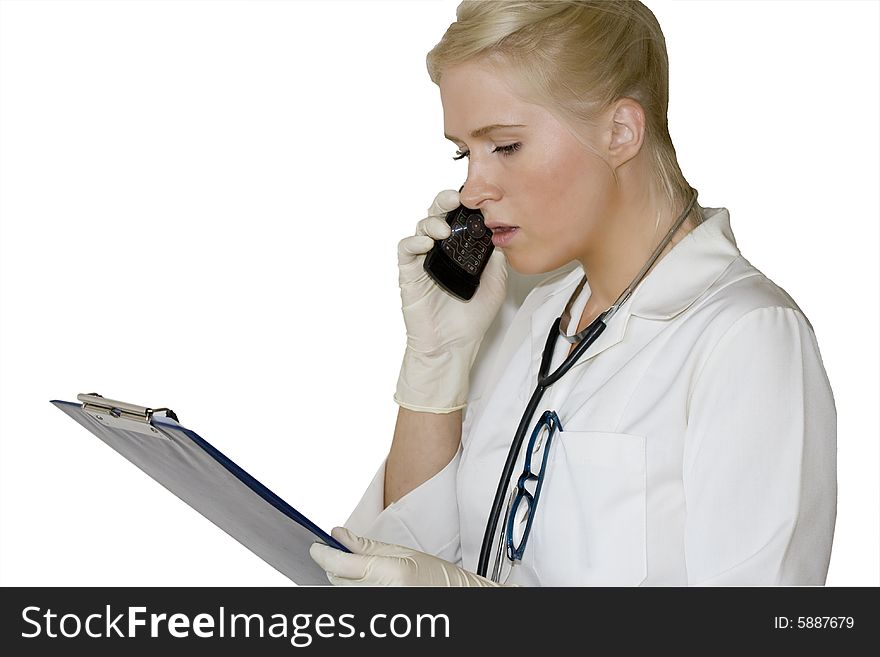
457	262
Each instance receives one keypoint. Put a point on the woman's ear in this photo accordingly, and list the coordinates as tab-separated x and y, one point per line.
627	131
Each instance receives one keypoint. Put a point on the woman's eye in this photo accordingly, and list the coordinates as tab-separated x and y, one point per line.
508	150
504	150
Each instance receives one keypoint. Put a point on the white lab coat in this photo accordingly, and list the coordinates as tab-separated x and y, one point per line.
699	441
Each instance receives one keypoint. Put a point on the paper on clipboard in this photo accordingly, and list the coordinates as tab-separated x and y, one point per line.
200	475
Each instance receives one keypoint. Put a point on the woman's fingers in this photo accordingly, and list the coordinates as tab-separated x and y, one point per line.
434	227
431	228
410	248
341	564
445	201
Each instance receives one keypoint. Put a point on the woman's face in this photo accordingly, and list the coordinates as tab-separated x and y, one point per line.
542	192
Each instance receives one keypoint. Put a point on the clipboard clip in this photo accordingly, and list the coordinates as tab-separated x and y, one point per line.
122	415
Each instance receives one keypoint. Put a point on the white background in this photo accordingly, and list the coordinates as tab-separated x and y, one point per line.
200	207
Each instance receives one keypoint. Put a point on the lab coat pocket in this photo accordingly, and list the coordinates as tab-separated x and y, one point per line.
593	511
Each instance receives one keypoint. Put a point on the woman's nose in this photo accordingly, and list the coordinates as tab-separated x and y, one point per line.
476	192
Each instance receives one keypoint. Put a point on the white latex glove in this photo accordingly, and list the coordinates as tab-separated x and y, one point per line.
381	564
443	334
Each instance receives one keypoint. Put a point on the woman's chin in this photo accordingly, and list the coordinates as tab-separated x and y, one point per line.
531	266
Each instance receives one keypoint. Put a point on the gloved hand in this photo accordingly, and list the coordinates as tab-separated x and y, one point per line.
381	564
443	333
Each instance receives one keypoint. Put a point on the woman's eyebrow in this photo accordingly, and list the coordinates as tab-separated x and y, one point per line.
479	132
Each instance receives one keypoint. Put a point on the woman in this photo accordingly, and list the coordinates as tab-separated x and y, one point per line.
692	442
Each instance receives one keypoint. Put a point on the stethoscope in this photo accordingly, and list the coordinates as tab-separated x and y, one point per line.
583	339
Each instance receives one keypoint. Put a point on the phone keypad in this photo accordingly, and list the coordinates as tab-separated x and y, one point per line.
470	241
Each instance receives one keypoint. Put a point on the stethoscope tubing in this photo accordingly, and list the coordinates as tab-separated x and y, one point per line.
544	381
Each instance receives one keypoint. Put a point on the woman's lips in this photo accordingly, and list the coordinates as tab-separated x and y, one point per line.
502	235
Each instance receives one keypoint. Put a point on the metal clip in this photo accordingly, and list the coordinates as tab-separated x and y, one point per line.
121	415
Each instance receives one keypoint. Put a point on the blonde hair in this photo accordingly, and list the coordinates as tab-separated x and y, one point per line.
576	58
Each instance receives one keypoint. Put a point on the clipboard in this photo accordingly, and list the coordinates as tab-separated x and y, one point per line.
210	482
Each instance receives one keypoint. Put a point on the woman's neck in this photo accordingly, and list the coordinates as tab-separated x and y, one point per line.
625	244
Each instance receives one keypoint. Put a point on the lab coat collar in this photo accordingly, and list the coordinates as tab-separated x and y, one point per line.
688	269
675	282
